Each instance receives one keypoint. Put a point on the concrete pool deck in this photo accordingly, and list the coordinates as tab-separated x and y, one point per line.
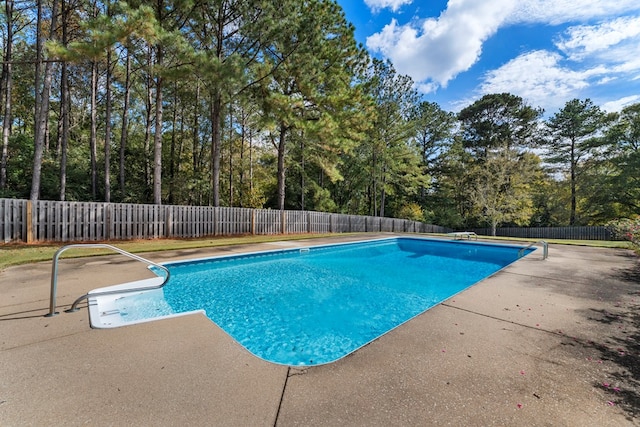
554	342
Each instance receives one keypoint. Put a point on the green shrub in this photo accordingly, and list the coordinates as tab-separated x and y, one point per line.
627	229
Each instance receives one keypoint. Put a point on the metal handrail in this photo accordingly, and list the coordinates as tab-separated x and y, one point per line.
54	276
545	249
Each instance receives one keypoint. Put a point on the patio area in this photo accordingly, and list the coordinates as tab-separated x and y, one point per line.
553	342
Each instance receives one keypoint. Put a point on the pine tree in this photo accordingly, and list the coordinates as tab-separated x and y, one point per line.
571	139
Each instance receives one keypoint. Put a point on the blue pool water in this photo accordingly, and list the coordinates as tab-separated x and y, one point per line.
316	305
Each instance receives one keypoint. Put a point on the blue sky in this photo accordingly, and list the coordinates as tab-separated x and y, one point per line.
546	51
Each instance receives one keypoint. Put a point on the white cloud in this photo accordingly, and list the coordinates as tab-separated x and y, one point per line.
437	50
605	80
394	5
555	12
549	79
434	51
600	50
618	104
581	41
626	62
426	87
540	78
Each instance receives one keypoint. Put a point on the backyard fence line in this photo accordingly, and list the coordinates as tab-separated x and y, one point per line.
55	221
567	233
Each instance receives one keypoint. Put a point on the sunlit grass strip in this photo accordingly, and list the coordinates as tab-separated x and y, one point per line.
594	243
24	254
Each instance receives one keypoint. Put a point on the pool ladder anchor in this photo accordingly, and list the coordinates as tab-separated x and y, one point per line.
545	249
74	306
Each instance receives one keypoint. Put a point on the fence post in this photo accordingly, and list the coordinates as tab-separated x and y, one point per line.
215	221
107	221
253	222
168	221
29	219
283	227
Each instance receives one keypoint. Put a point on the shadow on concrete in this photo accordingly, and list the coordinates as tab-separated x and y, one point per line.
623	352
622	346
631	275
26	314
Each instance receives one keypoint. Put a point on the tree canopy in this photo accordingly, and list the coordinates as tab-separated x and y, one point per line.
274	105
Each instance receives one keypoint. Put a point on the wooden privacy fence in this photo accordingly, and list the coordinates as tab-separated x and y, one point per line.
51	221
572	233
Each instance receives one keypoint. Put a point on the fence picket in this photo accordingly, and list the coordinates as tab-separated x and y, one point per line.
562	233
6	224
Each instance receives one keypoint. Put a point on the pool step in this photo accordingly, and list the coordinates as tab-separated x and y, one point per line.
127	308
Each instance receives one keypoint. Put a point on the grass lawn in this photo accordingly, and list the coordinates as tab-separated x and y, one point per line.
17	254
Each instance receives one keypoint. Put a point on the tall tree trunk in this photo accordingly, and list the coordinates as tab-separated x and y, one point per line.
373	198
383	193
243	130
149	117
230	155
64	140
216	106
6	51
43	113
6	94
172	155
181	139
38	67
58	145
47	128
216	109
302	173
107	131
250	163
281	166
195	142
65	107
157	138
572	217
124	134
93	146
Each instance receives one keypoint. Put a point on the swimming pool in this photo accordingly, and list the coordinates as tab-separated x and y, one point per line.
310	306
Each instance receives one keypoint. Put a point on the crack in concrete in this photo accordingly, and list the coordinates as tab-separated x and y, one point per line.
284	388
